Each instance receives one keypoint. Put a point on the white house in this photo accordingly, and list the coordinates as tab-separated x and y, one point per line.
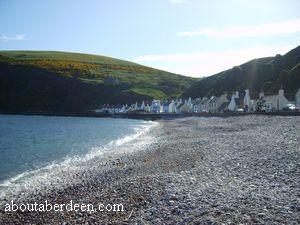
297	99
204	105
275	102
212	104
186	107
232	104
183	108
123	109
147	108
177	104
197	105
155	106
143	106
237	94
172	107
247	101
190	105
253	105
165	107
216	102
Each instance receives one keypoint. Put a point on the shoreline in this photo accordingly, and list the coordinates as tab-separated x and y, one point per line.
152	116
196	170
71	166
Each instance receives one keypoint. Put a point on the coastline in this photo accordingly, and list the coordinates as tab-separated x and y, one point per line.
52	173
207	170
151	116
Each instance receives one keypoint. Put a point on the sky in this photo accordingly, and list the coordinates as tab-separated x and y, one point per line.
190	37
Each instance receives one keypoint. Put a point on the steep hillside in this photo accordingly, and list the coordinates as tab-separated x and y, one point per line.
267	74
61	81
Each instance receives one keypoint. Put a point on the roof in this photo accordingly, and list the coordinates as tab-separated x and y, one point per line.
214	99
204	101
290	96
180	105
166	103
223	106
198	101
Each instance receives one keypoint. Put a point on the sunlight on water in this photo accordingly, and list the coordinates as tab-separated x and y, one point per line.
93	139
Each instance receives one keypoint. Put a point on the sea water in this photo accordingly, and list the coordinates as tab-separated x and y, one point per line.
35	145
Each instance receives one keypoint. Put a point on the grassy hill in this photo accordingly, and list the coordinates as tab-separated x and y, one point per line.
267	74
61	81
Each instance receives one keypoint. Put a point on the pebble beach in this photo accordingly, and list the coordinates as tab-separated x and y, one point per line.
235	170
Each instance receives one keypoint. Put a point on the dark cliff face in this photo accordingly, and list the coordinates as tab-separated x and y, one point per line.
267	74
26	88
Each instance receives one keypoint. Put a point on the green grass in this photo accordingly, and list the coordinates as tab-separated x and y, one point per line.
56	55
267	74
91	66
153	93
99	79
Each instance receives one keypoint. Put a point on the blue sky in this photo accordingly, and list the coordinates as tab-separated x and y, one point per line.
191	37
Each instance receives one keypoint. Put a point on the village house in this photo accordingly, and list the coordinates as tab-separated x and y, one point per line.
196	105
172	107
253	105
246	101
177	104
239	99
147	108
275	102
211	104
237	102
250	101
232	104
143	106
205	105
186	107
297	99
183	108
165	107
215	104
156	106
123	109
202	105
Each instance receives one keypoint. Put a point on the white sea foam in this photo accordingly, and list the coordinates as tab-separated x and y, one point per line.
57	172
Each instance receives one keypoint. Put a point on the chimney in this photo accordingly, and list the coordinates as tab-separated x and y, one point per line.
261	95
281	92
236	94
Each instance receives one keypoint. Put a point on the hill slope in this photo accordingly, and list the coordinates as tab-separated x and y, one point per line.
267	74
61	81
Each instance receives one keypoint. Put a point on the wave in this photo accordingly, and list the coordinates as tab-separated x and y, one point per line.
57	172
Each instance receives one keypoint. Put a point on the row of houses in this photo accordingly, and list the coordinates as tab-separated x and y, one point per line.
246	102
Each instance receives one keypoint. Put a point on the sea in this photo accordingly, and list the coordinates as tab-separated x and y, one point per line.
37	150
